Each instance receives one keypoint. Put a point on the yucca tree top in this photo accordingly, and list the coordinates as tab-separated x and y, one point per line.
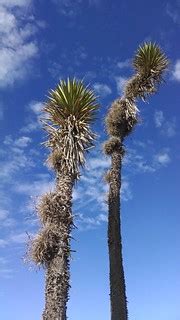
71	108
149	58
149	63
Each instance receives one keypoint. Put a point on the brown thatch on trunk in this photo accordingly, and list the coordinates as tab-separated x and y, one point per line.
121	118
53	208
70	110
45	245
139	87
54	159
113	144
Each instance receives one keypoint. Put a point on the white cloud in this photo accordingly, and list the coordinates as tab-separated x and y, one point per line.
91	193
98	163
3	260
162	158
68	8
158	118
22	142
120	83
170	128
126	193
15	158
34	120
17	49
3	243
5	271
146	162
3	214
15	3
19	238
102	89
173	12
176	71
71	8
123	64
1	112
30	126
36	107
89	223
167	127
5	220
42	184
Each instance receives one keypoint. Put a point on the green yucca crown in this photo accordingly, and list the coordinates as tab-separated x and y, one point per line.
149	58
71	108
149	63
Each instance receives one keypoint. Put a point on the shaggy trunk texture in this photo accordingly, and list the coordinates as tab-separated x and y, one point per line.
57	275
117	280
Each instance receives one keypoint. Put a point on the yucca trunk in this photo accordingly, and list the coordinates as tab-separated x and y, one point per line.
57	275
149	64
117	281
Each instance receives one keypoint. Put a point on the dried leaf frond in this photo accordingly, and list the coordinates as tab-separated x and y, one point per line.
121	118
113	144
71	107
54	208
138	87
44	246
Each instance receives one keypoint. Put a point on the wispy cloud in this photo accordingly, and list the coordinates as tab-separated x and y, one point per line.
124	64
33	120
137	161
15	157
3	243
15	3
21	142
5	220
173	11
102	89
158	118
36	107
167	127
71	8
18	48
19	238
91	193
69	62
176	71
162	158
68	8
126	193
1	111
92	189
120	84
5	271
42	183
84	222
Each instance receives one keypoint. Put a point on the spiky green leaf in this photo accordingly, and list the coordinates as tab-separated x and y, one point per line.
149	63
71	108
150	59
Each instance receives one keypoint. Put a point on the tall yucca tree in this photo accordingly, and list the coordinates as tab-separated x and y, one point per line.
149	65
69	111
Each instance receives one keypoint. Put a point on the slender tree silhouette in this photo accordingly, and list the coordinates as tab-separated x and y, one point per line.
149	64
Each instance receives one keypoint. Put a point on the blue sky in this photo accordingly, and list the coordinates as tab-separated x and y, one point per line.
95	40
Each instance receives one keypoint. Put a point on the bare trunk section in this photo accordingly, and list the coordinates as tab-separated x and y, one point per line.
117	280
57	274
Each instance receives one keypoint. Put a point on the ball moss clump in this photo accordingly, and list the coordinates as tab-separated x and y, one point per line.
113	144
121	118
